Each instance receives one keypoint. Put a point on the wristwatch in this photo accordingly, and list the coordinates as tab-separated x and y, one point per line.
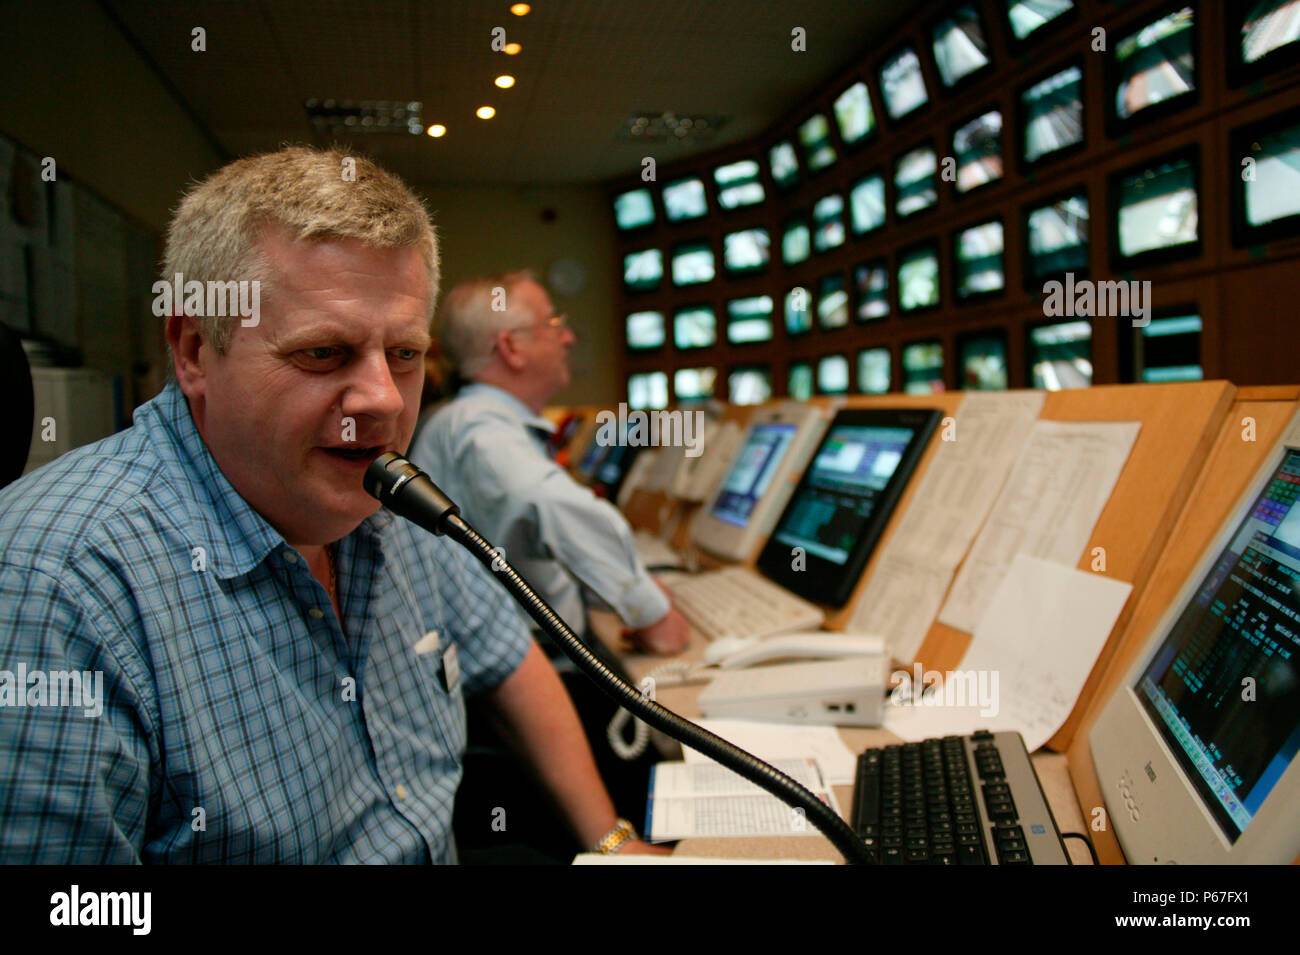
613	840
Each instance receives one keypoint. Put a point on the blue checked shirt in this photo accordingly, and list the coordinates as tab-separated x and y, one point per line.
239	723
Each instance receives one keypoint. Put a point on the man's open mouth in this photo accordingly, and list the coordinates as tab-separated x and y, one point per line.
355	454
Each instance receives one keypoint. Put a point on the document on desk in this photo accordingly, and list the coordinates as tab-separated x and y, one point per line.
1029	659
706	799
955	494
781	741
1047	509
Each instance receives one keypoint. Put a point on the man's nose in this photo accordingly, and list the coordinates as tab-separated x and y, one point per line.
372	391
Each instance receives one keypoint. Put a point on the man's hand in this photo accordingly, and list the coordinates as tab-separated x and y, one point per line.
668	637
636	847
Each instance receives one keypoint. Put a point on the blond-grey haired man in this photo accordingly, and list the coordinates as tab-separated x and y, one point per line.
284	665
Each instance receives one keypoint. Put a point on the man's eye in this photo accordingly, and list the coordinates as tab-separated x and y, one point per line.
320	354
406	354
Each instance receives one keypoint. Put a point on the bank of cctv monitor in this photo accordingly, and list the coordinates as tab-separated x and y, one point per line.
1196	751
828	530
744	506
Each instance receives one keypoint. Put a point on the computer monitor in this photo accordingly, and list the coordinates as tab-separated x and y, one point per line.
799	381
1026	17
1152	70
1155	211
784	164
853	114
1051	116
1196	750
832	302
923	368
977	261
1060	355
867	204
1266	190
902	84
749	319
634	209
645	330
694	384
983	360
695	326
960	48
647	390
685	199
828	222
1056	238
1168	348
833	375
918	278
749	250
871	290
815	138
1263	36
643	271
977	147
796	240
750	385
798	310
613	468
739	184
829	528
915	181
751	495
693	264
874	371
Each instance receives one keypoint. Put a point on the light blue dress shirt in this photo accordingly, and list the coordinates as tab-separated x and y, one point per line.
486	450
239	722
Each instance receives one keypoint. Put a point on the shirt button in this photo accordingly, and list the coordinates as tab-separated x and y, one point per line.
401	791
290	557
315	613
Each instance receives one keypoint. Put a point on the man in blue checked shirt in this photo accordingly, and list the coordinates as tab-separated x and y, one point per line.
283	665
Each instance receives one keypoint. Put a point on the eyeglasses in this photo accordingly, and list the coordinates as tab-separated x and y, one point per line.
555	321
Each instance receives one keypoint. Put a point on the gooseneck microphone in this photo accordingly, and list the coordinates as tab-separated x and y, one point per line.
407	491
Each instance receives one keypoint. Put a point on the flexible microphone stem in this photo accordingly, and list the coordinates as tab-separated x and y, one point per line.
409	492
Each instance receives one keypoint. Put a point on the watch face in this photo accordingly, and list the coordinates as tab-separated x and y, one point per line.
567	276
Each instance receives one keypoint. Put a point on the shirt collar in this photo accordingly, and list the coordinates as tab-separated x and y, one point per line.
508	402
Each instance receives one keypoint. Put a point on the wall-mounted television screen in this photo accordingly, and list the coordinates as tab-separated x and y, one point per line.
749	386
977	260
853	114
902	84
748	250
798	310
918	278
873	371
647	390
645	330
693	264
960	48
799	381
832	302
694	384
695	327
833	375
1154	66
634	209
739	184
796	240
685	199
643	271
1156	210
784	164
1051	115
1169	349
1266	191
1264	35
983	358
871	290
1028	16
815	138
1060	355
1056	238
749	319
915	181
867	204
977	146
828	222
923	368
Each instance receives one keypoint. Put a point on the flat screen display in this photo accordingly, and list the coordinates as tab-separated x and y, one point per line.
746	251
796	241
649	390
832	302
645	330
979	260
902	84
871	282
915	181
867	204
1057	237
1171	349
798	310
685	199
784	164
983	362
739	184
918	279
749	319
1158	208
1053	114
853	114
833	375
749	386
978	149
1026	16
828	222
923	368
1271	191
643	271
1155	65
959	45
815	138
693	264
694	384
1061	355
634	209
752	471
1270	26
695	327
873	371
799	381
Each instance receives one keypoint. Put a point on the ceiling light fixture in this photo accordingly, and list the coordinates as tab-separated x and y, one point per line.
485	112
505	81
520	9
510	49
437	130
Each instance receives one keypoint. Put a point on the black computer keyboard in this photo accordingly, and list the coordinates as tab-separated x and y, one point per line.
960	800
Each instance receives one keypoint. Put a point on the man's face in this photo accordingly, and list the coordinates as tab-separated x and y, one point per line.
544	346
329	379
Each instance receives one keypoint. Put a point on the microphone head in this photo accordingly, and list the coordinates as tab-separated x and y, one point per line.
386	474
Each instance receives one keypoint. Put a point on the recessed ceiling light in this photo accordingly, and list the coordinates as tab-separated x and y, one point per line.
505	81
437	129
510	49
485	112
520	9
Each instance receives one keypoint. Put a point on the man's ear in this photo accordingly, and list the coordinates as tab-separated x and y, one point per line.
510	355
186	339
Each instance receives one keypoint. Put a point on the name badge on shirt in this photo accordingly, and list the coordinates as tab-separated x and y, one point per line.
450	669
